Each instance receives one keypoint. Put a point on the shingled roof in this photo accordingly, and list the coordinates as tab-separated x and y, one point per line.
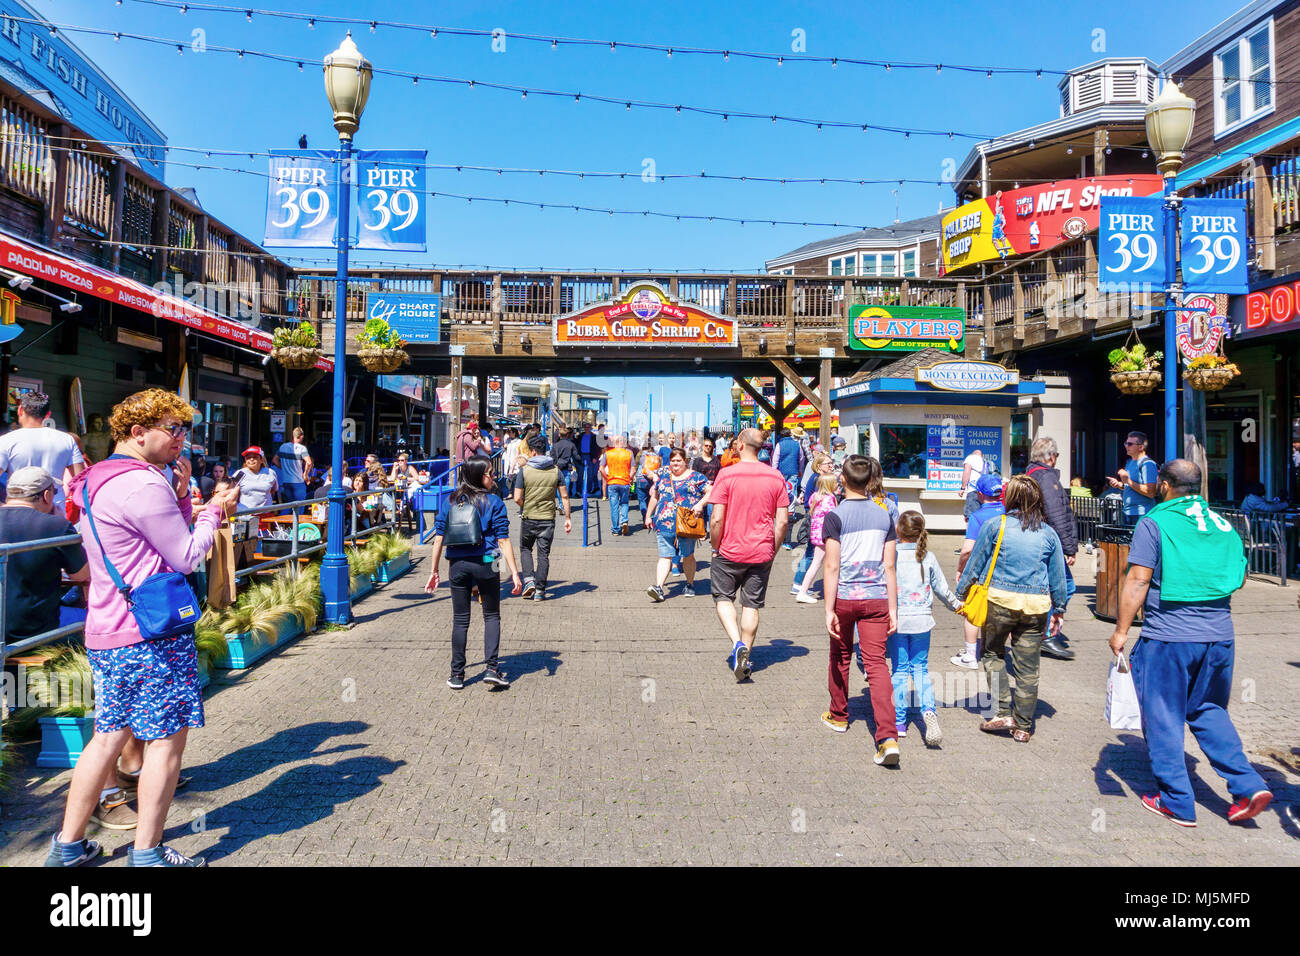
899	232
904	367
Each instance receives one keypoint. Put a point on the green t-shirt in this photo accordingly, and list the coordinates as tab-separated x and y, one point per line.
538	485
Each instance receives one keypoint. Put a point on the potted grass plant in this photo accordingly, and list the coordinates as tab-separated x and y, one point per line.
362	565
394	554
210	644
296	346
380	348
61	705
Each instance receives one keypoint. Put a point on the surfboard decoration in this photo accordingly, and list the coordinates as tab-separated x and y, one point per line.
76	409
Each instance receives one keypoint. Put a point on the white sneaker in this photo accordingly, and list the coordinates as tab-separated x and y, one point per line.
807	599
965	659
933	735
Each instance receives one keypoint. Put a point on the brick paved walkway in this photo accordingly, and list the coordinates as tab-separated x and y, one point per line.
626	740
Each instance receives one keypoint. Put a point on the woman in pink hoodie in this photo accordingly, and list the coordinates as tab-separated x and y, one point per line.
145	689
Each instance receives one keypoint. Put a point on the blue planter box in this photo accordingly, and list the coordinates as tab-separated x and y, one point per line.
361	590
63	739
391	570
205	672
244	650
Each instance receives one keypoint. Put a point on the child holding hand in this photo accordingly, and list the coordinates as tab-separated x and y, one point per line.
919	579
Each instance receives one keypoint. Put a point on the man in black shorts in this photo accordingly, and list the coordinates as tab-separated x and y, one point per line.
751	511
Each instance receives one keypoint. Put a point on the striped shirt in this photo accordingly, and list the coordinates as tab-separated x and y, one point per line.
862	528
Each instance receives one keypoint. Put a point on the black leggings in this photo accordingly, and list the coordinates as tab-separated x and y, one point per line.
465	573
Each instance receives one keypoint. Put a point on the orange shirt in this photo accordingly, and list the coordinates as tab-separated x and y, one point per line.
618	466
729	458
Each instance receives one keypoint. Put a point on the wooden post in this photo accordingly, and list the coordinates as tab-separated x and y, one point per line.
986	323
1091	278
1100	139
117	186
162	213
498	306
789	313
1264	218
778	419
557	295
53	224
1017	307
454	422
731	297
1052	311
201	248
824	389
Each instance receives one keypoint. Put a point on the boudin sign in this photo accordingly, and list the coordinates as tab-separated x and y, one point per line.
645	315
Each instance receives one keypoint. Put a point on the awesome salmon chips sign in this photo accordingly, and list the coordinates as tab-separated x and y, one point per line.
645	315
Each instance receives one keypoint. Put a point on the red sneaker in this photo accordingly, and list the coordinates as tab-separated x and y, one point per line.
1249	807
1152	802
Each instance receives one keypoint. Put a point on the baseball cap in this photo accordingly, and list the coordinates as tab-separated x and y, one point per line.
29	482
253	450
837	441
990	486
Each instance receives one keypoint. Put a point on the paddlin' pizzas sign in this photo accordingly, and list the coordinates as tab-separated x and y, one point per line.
645	315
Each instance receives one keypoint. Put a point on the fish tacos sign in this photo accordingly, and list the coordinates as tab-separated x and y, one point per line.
645	315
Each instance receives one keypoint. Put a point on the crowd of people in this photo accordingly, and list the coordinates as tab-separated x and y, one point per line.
143	528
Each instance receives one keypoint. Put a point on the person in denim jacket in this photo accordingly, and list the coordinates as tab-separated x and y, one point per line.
1027	589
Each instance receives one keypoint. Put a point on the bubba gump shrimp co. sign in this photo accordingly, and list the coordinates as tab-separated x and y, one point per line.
645	315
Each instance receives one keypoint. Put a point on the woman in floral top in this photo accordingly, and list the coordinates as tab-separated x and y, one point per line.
674	486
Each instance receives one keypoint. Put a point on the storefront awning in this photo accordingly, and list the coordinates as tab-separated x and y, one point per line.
41	263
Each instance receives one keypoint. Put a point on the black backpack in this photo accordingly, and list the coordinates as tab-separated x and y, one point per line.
464	530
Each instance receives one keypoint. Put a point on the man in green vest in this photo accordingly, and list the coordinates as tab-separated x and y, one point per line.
1184	564
535	489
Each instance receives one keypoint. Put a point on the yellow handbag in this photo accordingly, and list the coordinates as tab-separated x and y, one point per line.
976	606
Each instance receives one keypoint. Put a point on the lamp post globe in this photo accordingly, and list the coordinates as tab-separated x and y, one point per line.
347	86
1169	126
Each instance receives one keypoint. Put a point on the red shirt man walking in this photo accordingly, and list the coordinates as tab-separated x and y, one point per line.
751	511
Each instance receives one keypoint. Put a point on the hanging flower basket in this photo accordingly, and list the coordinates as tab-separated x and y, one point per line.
383	360
296	356
1136	383
1211	379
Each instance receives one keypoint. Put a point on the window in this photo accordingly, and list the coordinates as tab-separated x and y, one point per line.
909	262
1243	80
846	266
870	265
902	450
837	267
888	265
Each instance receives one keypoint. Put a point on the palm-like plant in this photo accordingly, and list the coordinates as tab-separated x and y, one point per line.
389	546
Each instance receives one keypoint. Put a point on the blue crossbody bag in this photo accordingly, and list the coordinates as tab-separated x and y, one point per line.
163	604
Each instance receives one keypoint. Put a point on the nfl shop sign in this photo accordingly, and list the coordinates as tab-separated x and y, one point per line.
645	315
1200	327
905	328
1019	221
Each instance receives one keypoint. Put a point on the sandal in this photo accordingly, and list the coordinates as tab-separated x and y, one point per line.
1021	736
998	724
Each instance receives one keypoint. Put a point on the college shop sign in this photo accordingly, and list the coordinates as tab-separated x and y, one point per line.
905	328
967	376
645	315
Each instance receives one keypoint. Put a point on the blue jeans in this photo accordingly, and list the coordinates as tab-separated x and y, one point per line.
618	497
643	497
1183	682
909	656
804	564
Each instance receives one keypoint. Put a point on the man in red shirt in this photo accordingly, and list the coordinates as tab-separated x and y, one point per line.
751	511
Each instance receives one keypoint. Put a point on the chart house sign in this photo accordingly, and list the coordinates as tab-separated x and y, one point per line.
645	315
906	328
967	376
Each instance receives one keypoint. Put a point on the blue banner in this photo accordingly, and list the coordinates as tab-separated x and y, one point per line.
415	316
300	196
391	199
1131	245
1214	245
37	57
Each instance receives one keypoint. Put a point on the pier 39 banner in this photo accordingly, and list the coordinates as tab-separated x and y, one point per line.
645	315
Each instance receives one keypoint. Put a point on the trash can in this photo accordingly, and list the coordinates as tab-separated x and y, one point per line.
1113	542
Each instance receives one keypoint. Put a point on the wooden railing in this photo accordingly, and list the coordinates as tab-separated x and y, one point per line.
89	199
26	161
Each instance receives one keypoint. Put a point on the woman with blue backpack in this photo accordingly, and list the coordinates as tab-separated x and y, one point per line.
475	530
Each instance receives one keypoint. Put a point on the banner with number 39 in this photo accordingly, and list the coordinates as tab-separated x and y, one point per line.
300	198
1214	245
390	199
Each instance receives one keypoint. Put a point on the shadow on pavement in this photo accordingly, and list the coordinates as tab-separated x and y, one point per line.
285	746
764	655
568	587
295	799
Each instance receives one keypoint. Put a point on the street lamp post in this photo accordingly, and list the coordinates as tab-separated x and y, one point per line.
1169	127
736	392
347	85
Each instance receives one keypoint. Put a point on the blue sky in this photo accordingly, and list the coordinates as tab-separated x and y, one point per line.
220	101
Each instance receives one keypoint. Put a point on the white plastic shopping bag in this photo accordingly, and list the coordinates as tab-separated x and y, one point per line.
1121	697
